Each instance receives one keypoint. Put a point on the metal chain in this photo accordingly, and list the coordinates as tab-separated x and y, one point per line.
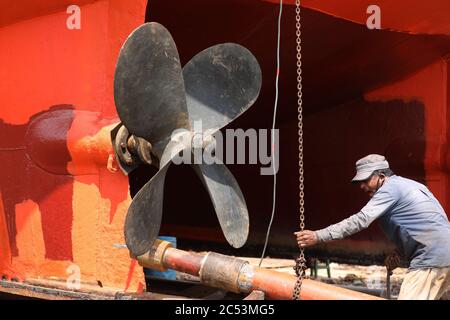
300	262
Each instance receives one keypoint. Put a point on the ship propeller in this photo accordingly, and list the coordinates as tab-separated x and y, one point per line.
160	104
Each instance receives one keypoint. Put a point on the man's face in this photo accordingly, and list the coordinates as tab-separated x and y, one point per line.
371	184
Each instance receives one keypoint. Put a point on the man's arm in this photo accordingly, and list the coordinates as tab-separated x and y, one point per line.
380	203
346	227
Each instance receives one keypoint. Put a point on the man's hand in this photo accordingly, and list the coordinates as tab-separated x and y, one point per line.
392	261
306	238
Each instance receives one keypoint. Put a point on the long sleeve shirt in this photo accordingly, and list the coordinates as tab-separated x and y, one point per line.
410	216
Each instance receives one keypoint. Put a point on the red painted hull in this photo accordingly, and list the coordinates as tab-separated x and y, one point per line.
364	92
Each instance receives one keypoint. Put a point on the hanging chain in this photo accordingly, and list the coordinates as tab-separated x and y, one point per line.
300	262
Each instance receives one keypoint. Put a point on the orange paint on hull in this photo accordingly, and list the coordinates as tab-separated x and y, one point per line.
63	206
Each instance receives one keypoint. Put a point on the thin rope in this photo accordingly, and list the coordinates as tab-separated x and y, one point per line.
272	135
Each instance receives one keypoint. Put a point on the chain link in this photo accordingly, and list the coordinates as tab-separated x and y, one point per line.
300	262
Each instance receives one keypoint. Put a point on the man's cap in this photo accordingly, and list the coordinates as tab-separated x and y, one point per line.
367	165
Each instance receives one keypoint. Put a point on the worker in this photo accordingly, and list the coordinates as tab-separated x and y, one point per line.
410	216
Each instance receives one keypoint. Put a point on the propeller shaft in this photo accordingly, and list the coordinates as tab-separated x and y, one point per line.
237	275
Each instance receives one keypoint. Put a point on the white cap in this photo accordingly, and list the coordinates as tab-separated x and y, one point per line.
367	165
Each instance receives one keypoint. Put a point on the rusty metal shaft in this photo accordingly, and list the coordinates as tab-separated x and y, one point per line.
237	275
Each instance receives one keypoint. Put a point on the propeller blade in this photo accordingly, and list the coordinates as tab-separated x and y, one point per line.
221	82
148	86
144	215
228	201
